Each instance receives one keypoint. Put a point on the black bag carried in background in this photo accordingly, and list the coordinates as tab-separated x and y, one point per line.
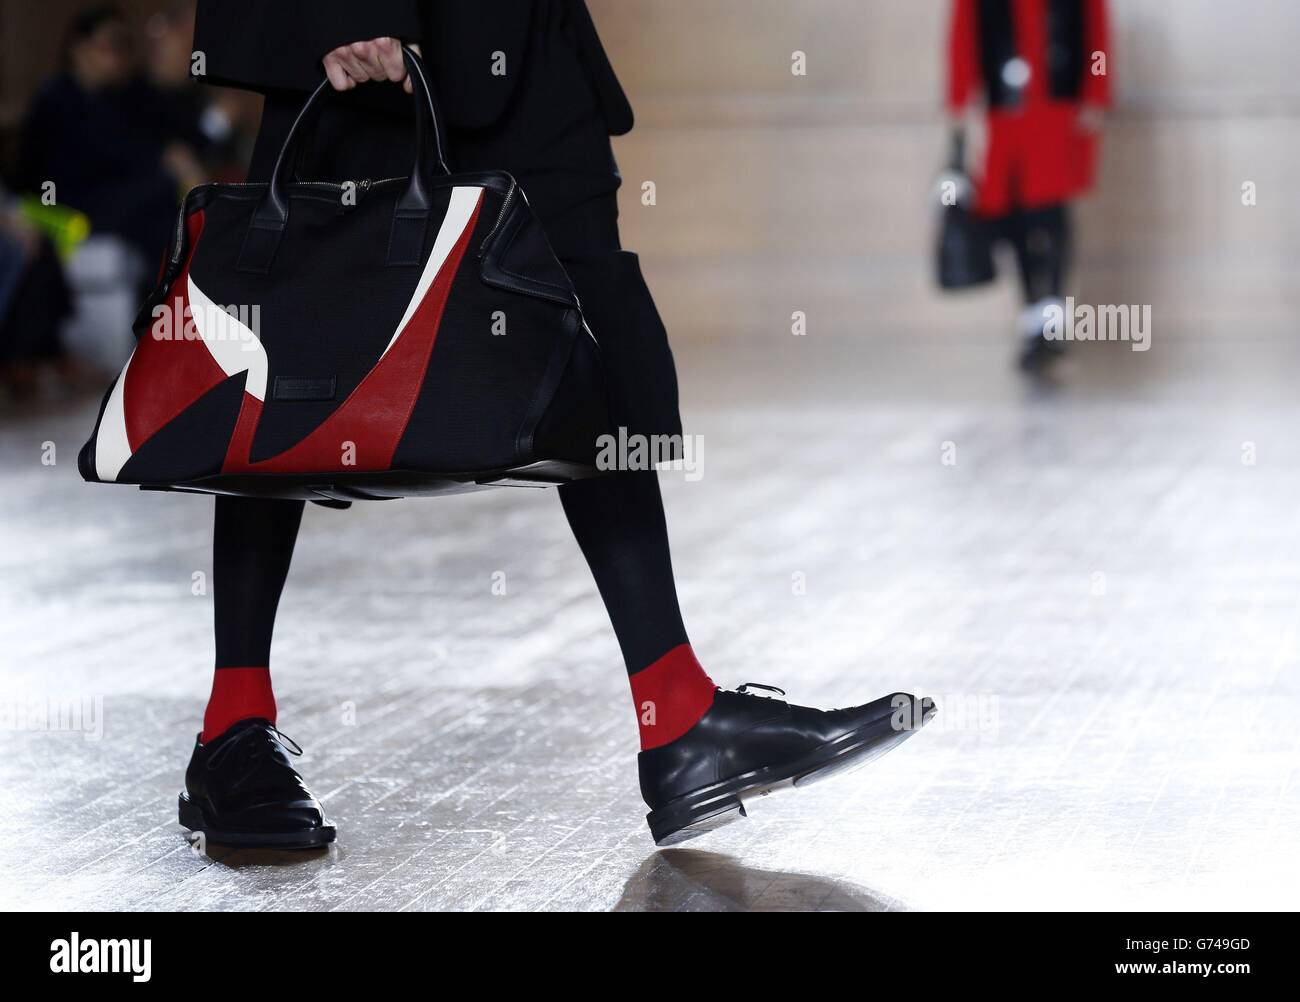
964	256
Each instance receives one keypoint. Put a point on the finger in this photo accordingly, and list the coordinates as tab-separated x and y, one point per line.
351	64
361	53
367	54
336	74
390	58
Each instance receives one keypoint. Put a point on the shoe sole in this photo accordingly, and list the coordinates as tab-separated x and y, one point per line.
711	807
191	817
1042	358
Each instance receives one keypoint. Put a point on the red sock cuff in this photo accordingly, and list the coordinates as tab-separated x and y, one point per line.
670	696
237	694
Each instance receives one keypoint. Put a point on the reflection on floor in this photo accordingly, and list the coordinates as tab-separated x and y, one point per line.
1099	581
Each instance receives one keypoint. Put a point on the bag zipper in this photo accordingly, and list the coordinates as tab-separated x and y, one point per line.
178	237
362	187
510	194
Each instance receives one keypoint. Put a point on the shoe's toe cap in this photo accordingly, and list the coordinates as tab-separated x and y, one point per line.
903	710
281	816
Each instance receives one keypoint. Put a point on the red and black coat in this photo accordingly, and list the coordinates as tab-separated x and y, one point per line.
1035	64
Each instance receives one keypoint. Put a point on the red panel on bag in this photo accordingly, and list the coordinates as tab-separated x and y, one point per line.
165	376
370	423
241	442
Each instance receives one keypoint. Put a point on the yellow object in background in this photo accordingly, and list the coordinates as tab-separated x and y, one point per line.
66	227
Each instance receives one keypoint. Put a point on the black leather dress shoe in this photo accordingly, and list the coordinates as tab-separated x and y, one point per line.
1038	354
242	790
746	746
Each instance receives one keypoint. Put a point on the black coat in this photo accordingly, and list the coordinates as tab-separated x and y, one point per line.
270	45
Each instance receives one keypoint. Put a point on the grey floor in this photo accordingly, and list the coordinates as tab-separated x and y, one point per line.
1102	593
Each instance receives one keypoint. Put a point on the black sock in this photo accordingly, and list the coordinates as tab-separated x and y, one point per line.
618	521
252	546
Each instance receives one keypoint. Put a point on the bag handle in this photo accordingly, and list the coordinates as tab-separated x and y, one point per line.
957	150
410	217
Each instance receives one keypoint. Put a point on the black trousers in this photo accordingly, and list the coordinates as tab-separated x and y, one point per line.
1042	241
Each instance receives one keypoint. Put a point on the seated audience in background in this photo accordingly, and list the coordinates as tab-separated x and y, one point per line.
34	302
114	148
94	131
217	125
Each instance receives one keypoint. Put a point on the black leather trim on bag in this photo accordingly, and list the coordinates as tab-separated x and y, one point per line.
506	270
410	216
304	388
546	387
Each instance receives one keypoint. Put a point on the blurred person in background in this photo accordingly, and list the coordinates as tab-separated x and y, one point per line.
34	302
214	126
93	131
1038	73
96	139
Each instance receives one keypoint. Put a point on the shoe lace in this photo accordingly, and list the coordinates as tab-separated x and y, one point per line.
758	685
271	737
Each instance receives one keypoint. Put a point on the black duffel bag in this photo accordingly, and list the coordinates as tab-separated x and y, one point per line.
964	255
371	339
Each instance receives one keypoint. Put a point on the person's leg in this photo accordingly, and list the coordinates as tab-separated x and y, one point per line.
554	139
241	787
619	523
705	750
1041	240
618	520
252	546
